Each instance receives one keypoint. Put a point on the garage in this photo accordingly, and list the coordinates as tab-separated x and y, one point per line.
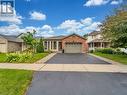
73	48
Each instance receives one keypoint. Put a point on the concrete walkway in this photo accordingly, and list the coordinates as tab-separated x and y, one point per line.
67	67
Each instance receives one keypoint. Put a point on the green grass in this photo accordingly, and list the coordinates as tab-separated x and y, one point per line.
119	58
36	57
2	57
14	82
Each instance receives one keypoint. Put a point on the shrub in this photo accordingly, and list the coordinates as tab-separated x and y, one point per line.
91	51
111	51
106	51
17	57
40	47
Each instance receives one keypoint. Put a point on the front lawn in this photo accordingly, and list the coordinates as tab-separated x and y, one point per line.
118	58
2	57
14	82
36	57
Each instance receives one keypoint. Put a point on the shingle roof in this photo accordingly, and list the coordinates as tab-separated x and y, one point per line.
55	37
98	40
94	33
12	38
61	37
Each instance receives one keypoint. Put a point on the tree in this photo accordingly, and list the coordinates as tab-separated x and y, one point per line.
29	39
40	47
114	28
85	36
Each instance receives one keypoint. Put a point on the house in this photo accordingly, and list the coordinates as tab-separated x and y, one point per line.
95	40
69	44
11	44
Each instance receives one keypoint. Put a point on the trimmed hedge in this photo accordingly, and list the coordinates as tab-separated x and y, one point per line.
105	50
110	51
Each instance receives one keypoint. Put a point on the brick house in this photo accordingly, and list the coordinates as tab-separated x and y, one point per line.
69	44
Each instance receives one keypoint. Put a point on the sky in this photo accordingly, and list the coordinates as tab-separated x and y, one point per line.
57	17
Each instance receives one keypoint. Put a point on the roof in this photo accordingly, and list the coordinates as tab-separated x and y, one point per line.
94	33
12	38
62	37
76	35
55	38
98	40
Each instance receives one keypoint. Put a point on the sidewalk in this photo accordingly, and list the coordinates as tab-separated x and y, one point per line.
115	67
67	67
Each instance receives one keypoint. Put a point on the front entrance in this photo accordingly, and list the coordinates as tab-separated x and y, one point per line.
73	48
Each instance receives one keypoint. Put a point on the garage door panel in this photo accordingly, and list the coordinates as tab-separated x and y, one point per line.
73	48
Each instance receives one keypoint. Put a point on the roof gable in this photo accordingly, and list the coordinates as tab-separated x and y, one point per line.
74	35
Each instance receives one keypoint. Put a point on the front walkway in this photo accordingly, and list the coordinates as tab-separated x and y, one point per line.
67	67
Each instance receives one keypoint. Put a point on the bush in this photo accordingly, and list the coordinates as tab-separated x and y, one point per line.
91	51
16	57
111	51
106	51
40	47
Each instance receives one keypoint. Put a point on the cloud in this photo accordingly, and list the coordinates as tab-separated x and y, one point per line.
87	21
37	16
11	30
27	0
96	2
68	26
102	2
116	2
12	19
44	31
83	26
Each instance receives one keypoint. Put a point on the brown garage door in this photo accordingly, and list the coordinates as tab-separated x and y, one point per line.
73	48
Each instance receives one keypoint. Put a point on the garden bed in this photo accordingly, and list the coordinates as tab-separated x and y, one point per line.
34	58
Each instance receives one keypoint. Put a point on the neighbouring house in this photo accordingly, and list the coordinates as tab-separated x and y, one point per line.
11	44
95	40
69	44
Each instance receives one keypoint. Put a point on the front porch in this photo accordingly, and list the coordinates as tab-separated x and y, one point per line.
94	45
53	45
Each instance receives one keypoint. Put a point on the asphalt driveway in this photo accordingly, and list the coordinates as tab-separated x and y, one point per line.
78	83
78	58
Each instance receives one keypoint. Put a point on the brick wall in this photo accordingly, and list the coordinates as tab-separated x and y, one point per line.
75	38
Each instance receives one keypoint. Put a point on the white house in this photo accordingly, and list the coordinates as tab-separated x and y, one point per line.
95	40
